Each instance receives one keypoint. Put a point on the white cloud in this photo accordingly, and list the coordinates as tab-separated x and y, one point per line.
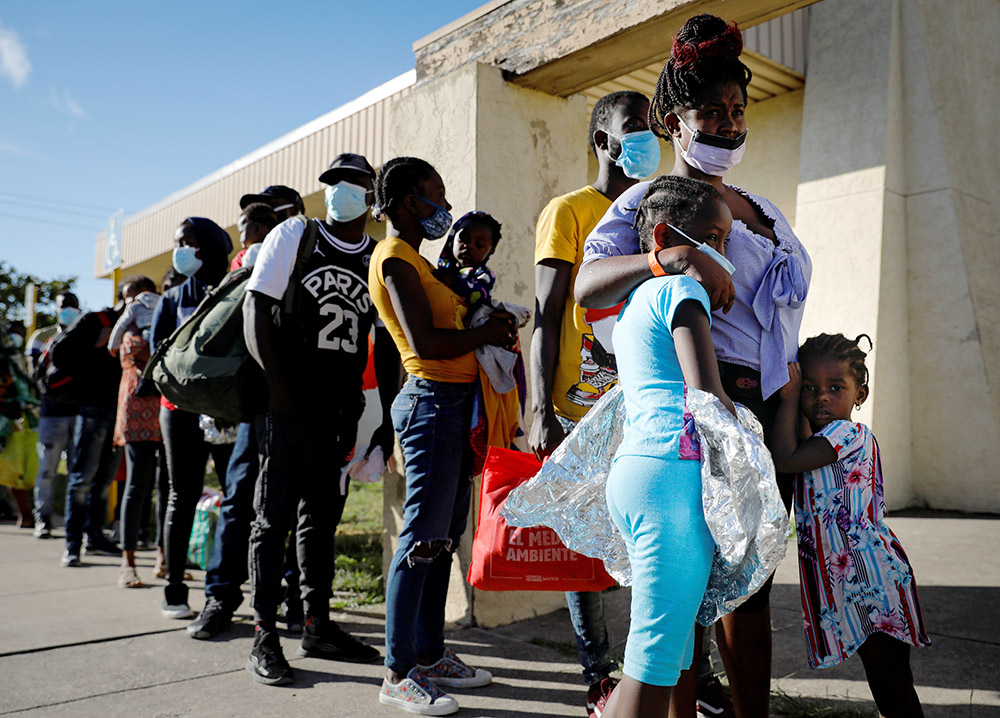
14	64
10	149
66	104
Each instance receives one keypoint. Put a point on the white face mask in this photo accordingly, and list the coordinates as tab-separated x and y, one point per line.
707	249
713	154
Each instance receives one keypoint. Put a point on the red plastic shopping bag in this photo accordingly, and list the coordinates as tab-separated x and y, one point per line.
523	559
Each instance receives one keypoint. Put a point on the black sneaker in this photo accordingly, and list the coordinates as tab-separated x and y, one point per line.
213	620
266	662
70	557
713	701
292	615
325	639
100	546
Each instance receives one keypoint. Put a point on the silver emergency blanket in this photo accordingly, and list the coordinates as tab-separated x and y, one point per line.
742	505
215	435
567	494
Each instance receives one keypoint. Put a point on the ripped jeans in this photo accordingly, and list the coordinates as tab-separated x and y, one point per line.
432	421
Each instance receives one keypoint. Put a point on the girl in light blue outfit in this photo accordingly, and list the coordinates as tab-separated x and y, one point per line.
663	345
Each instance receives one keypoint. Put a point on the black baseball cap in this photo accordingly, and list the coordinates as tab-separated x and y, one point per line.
346	161
275	195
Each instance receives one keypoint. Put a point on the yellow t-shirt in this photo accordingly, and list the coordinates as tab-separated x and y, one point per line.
447	311
586	368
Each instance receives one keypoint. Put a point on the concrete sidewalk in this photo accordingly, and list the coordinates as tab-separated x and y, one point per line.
73	644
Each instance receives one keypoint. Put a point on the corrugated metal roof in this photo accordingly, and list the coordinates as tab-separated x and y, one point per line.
294	160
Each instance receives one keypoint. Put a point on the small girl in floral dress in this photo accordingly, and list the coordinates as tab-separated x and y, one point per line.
858	592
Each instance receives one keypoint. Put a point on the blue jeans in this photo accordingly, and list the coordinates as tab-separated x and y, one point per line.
55	435
586	613
228	568
432	421
91	469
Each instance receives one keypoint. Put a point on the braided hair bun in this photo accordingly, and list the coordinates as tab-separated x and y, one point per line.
705	52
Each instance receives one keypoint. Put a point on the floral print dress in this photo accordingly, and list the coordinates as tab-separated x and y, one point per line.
854	577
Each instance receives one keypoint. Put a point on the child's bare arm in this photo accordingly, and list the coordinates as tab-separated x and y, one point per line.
696	352
790	455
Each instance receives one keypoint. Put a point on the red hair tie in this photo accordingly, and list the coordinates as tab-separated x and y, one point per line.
728	45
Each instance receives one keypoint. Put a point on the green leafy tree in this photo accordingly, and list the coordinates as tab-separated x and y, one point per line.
12	288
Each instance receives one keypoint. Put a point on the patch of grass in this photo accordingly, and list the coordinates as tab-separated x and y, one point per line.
566	648
363	512
358	576
786	706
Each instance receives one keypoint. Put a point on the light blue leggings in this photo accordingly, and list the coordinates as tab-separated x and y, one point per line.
656	505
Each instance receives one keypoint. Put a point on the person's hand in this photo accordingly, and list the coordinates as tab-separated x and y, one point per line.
545	435
500	330
791	390
384	438
707	272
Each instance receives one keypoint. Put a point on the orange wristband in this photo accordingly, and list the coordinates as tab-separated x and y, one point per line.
654	264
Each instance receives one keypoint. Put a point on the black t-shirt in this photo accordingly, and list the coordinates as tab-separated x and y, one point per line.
324	344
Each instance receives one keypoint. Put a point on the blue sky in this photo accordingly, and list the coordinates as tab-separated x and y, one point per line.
107	105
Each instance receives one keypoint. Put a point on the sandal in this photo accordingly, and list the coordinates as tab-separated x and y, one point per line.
128	578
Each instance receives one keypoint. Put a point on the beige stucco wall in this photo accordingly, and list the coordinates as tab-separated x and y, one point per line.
952	106
506	150
848	215
899	212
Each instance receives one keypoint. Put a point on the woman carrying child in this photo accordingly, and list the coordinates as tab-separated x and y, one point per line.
858	592
699	106
431	416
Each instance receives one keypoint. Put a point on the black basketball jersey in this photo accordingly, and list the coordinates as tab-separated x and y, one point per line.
334	314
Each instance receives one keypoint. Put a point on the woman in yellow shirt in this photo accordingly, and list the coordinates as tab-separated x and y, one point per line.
431	415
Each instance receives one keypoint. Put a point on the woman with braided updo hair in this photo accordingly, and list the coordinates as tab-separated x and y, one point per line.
699	107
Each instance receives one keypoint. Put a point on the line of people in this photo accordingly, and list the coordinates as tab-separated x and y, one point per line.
683	281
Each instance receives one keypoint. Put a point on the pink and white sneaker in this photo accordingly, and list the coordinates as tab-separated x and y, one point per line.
453	672
417	694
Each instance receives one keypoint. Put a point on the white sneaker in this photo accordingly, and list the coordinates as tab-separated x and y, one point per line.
453	672
417	694
177	610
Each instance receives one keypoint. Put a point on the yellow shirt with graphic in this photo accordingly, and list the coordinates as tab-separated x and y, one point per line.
586	369
447	312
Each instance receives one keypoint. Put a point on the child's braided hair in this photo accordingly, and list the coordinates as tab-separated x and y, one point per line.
706	51
837	346
673	200
398	177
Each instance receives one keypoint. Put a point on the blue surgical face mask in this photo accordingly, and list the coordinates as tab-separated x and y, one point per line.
707	249
67	315
186	261
438	224
640	154
17	340
346	201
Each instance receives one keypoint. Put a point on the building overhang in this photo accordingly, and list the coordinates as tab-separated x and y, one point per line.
565	48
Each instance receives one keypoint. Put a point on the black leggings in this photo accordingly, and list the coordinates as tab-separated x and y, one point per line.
141	458
187	453
742	384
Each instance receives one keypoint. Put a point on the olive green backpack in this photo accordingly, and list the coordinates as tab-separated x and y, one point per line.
205	366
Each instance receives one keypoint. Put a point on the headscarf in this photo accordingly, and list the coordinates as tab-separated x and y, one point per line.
214	245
